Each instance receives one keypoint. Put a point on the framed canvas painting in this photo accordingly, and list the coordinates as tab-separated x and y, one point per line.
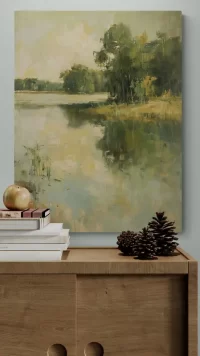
98	116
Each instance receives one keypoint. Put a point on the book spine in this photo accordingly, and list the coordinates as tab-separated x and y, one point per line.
28	213
24	224
34	240
27	256
42	222
41	213
53	229
10	214
34	247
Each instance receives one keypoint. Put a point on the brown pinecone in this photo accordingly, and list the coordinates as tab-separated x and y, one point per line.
145	246
164	233
126	242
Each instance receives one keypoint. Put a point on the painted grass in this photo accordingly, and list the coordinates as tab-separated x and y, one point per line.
157	109
40	165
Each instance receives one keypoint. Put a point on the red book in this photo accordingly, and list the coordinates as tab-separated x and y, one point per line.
28	213
40	213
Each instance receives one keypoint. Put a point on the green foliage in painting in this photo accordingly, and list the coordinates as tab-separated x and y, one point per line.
165	64
19	84
34	84
82	80
131	69
78	80
136	68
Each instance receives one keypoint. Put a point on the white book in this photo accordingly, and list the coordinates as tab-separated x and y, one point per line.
52	229
24	223
61	238
34	247
30	256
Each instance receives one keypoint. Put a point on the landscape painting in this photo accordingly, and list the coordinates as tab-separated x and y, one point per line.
98	116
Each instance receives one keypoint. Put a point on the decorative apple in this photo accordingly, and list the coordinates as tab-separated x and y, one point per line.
16	198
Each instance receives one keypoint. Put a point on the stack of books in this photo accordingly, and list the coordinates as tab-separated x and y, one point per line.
30	236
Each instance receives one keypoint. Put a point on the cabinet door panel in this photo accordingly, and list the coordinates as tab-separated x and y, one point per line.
37	311
132	315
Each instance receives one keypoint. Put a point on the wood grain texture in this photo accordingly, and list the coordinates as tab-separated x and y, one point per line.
111	255
133	315
130	307
99	261
37	312
185	254
193	309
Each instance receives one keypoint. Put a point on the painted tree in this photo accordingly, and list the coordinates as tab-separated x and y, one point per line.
81	79
137	68
123	60
165	64
78	80
29	83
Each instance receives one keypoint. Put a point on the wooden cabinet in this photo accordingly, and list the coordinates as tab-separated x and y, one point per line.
95	302
36	311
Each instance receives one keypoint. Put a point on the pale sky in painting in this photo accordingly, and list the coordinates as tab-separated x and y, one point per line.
48	42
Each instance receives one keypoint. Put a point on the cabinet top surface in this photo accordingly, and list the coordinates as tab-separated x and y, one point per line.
101	261
110	255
